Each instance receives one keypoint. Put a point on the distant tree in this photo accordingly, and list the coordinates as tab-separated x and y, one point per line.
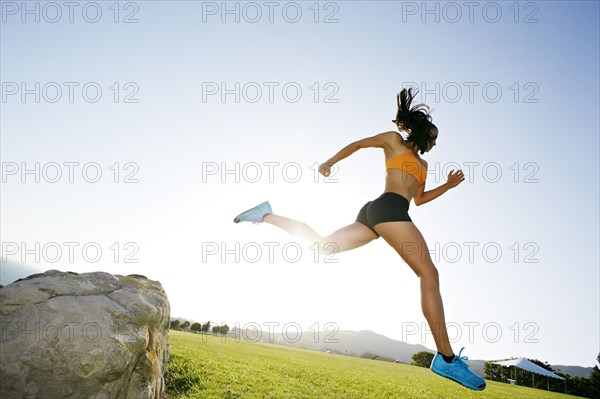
216	329
175	324
494	372
422	359
206	327
224	329
185	325
595	380
577	386
197	327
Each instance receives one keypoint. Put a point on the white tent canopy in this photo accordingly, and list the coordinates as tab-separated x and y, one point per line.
525	364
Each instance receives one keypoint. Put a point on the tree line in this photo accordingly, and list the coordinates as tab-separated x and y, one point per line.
199	327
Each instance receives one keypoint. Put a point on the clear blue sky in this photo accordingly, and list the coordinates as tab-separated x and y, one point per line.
514	92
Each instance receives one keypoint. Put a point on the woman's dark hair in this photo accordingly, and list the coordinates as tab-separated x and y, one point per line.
415	121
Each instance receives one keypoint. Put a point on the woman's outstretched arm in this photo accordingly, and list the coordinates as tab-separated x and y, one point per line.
454	179
377	141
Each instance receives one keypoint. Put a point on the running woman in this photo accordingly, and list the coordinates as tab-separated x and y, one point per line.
387	216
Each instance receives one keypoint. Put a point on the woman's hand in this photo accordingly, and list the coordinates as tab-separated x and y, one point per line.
455	178
325	168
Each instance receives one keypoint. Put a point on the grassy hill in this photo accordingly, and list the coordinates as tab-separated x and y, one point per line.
208	367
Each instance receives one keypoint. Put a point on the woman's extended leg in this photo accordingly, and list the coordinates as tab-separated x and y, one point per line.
344	239
407	240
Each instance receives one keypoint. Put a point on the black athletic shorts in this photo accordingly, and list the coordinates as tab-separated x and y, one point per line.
389	207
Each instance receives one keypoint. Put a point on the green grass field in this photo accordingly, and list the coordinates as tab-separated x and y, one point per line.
206	367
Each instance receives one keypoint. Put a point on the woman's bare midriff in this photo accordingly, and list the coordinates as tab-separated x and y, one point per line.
400	182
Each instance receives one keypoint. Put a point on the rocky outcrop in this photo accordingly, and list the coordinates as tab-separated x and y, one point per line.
91	335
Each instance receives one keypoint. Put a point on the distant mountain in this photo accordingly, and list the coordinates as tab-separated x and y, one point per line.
352	343
355	343
575	371
10	271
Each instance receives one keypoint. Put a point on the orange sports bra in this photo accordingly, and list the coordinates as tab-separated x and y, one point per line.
408	162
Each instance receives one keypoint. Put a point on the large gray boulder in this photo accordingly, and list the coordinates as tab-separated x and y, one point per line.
91	335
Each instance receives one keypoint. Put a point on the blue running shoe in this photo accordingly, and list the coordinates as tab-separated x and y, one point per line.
457	371
254	215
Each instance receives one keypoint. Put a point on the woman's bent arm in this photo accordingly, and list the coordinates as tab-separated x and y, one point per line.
424	197
454	179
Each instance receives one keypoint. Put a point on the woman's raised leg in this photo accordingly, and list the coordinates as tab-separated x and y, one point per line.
344	239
